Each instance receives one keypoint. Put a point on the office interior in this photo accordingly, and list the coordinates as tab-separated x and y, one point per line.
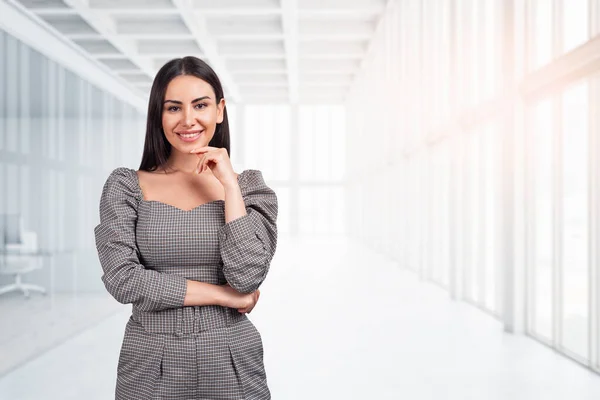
436	163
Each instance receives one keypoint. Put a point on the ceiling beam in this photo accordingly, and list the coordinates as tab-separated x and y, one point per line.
350	13
106	11
336	36
42	12
372	41
319	36
197	25
289	17
231	36
131	36
107	27
41	36
239	11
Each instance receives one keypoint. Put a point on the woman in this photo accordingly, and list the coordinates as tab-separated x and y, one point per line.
188	242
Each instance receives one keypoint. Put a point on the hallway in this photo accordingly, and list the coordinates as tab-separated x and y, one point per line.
341	322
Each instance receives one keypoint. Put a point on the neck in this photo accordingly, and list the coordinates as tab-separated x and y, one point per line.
181	162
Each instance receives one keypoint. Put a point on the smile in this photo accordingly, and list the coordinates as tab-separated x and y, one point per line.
189	136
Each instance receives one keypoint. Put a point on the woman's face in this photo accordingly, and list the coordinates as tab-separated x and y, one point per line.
190	113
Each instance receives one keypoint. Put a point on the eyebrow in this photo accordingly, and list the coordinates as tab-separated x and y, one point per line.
193	101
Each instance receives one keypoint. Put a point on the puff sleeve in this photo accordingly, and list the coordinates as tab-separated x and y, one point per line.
247	244
125	278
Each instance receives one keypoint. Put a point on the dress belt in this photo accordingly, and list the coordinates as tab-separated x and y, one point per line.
187	320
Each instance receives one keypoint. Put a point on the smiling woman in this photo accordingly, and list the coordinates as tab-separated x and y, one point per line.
186	100
188	242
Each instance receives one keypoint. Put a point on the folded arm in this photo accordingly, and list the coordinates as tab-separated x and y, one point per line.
249	237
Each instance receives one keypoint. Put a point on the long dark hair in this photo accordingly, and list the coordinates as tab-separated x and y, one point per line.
157	148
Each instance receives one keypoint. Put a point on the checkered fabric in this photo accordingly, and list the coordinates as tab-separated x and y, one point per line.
147	250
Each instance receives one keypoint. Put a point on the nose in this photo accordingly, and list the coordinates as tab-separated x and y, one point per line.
188	117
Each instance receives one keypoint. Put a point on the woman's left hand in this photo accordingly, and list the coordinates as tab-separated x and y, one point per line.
217	159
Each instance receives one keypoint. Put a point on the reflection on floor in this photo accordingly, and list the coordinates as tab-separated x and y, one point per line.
31	326
340	322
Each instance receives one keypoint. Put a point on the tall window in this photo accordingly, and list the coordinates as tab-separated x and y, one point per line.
315	183
575	23
575	216
542	245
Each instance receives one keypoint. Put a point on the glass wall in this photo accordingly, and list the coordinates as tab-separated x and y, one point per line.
560	220
60	136
491	112
561	155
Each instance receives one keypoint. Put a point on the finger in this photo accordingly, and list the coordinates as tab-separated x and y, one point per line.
199	166
210	157
203	149
205	163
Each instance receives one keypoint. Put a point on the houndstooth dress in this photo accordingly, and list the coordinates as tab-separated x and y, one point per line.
147	250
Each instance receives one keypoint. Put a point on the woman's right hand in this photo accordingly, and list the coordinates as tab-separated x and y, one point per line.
243	302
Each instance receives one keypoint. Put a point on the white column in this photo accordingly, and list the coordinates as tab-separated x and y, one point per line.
511	161
594	124
239	150
294	173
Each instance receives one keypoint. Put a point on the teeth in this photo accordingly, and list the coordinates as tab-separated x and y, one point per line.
190	135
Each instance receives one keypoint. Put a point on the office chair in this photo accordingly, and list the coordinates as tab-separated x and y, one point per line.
17	254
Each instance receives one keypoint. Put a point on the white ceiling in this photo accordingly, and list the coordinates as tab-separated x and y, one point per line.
263	50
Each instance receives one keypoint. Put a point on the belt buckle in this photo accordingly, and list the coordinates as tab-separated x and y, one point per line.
179	322
196	319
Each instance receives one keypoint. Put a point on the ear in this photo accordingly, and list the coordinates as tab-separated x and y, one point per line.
220	110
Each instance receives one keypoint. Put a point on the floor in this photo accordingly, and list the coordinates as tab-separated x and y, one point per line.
31	326
340	322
